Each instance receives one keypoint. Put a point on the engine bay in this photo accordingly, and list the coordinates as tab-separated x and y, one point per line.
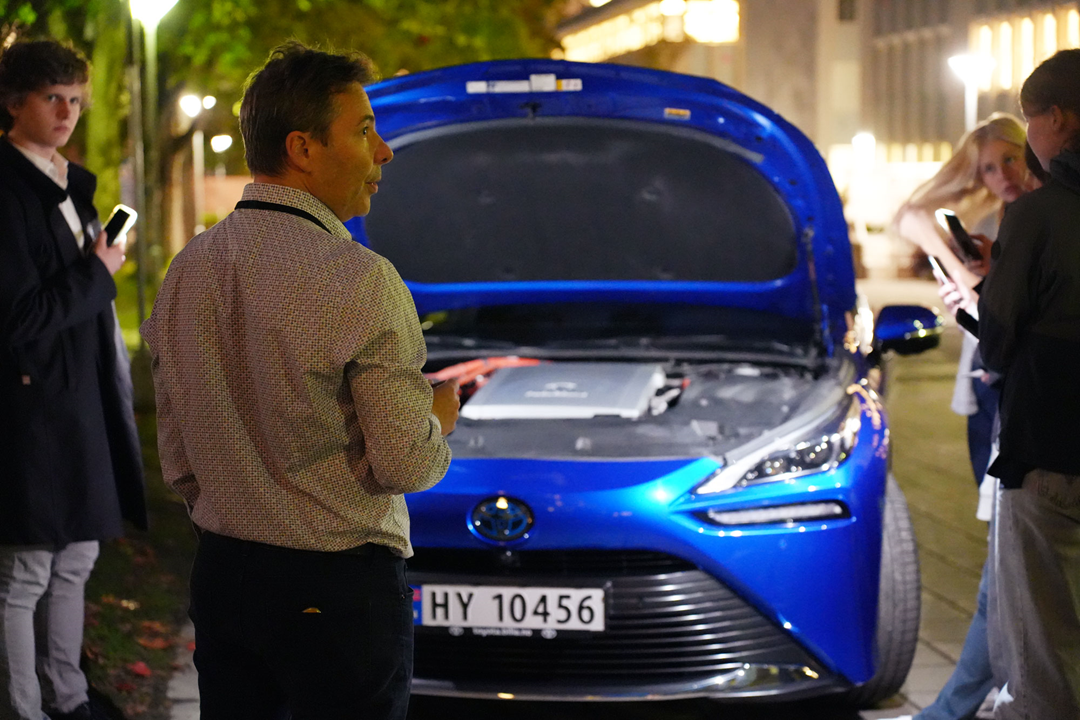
623	409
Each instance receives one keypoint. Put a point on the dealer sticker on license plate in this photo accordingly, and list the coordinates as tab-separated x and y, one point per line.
491	606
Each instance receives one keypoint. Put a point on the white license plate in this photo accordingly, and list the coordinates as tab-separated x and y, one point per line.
490	606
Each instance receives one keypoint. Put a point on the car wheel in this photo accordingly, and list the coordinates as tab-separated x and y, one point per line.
898	603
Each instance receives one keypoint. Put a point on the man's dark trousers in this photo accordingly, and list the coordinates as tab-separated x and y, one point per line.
323	636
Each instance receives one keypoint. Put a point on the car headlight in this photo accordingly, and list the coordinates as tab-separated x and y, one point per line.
823	448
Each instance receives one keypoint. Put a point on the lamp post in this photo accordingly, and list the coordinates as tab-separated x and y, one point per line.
974	71
219	144
192	106
145	15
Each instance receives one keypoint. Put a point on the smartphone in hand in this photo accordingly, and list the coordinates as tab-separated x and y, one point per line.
948	220
939	272
119	222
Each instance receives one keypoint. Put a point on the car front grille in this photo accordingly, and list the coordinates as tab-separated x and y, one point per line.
566	563
661	627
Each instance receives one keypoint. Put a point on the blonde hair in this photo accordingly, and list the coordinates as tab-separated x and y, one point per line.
958	185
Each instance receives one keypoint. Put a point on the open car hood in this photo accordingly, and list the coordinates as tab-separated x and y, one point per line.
531	181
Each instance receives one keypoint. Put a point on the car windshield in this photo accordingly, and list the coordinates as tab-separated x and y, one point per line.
626	327
578	199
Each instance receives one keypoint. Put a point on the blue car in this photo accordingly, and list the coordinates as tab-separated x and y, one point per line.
671	473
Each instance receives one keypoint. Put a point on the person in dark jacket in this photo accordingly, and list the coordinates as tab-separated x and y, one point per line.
1029	329
70	467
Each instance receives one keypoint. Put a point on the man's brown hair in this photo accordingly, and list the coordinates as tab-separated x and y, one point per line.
31	65
1056	82
295	91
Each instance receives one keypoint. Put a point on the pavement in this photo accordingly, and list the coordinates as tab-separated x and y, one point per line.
931	465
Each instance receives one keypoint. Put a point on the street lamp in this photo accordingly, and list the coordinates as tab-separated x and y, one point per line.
192	106
973	70
219	144
145	15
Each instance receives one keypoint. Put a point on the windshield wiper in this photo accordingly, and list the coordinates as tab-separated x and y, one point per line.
459	341
723	342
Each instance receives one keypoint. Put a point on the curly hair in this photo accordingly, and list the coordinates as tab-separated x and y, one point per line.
28	66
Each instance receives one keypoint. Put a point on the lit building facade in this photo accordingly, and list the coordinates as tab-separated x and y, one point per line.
869	81
915	103
741	43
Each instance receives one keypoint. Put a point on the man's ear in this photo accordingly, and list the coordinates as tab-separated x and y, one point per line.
1067	120
14	106
298	149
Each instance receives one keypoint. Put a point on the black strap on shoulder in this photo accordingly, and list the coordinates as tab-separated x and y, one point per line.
277	207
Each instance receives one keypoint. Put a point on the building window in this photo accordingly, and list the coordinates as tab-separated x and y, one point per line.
713	22
1073	27
1027	47
846	10
1005	56
986	48
1049	35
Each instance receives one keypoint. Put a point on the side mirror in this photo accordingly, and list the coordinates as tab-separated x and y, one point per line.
907	329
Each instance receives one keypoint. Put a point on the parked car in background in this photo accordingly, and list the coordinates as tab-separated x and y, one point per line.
671	472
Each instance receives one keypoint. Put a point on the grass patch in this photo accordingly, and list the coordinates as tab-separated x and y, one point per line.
137	599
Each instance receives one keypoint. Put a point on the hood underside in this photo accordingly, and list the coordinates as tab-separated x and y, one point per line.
571	199
547	181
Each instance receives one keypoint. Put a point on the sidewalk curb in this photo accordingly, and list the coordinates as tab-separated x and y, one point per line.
183	690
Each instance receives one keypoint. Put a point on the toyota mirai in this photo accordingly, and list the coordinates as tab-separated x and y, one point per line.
671	472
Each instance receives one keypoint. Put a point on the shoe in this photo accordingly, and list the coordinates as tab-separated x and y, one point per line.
986	710
83	712
86	711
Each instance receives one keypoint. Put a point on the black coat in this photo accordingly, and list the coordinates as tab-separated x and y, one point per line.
1029	327
70	463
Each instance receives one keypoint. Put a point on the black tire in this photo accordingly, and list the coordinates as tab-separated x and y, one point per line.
899	603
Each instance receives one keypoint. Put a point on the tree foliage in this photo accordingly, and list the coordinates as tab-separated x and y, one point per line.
210	47
214	45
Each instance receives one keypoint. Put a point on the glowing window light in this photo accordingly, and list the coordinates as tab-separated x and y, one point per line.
599	3
986	48
712	21
1049	36
1005	55
705	21
1072	25
619	35
1027	47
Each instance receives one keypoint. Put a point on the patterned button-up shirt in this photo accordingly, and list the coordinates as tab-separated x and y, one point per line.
286	360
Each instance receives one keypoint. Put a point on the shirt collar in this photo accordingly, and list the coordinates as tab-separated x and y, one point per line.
284	195
55	167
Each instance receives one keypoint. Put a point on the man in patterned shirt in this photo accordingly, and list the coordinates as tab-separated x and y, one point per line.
293	416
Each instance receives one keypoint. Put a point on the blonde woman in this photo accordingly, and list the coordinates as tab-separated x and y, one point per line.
986	173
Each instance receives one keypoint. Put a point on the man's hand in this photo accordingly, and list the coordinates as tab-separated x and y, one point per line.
445	404
981	266
958	297
113	257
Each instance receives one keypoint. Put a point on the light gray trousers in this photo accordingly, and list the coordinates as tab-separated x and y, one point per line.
41	628
1035	598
